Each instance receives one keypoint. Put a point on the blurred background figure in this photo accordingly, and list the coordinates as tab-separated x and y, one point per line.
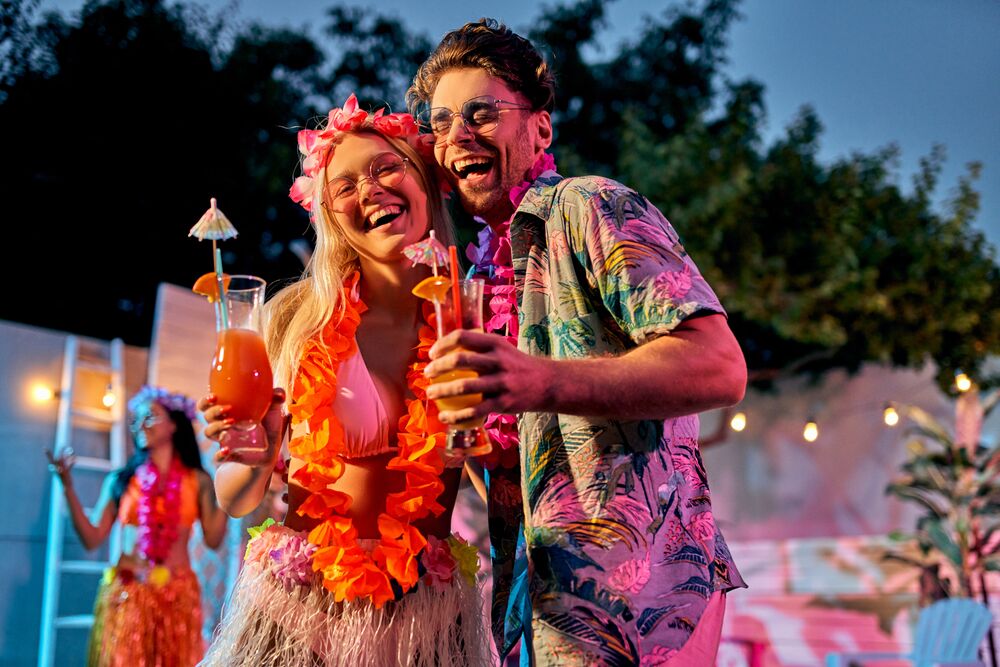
148	606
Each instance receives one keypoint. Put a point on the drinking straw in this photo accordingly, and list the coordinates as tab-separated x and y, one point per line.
456	291
434	264
221	284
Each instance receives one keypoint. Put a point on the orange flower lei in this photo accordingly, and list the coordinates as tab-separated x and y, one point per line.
349	572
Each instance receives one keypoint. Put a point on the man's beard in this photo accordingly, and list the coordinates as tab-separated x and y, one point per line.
485	202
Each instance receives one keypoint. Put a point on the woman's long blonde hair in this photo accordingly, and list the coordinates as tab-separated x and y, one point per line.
300	311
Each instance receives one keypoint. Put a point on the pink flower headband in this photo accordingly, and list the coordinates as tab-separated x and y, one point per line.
316	146
169	400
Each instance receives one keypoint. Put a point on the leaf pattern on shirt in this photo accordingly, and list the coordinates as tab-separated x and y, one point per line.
624	551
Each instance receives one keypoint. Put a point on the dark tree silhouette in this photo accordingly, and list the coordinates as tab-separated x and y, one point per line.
118	129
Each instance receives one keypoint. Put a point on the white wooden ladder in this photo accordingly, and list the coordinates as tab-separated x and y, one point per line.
81	357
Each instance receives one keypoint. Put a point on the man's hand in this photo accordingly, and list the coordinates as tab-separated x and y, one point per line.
698	366
509	380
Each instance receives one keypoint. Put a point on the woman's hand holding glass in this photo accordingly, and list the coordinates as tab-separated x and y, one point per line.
220	422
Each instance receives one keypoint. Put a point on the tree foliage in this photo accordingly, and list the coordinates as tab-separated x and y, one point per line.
122	125
115	137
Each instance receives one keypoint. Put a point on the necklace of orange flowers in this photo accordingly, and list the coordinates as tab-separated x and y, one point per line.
350	572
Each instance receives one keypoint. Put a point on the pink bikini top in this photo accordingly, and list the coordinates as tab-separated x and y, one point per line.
360	411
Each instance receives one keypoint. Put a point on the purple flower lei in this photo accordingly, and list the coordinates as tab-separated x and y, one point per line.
491	257
170	401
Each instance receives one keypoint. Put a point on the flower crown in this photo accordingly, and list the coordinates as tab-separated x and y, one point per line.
169	400
316	146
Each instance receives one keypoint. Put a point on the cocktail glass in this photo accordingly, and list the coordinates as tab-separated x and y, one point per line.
466	438
241	373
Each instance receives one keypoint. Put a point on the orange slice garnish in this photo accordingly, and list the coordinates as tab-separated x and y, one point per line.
433	288
208	285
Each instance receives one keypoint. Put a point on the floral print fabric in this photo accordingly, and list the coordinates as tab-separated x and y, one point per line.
618	550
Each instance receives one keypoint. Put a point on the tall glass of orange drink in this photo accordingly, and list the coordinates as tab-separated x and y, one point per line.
468	437
241	374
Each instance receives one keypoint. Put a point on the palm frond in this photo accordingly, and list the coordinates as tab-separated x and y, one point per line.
628	254
928	425
604	533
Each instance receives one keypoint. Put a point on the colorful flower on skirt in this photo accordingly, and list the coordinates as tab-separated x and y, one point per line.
438	562
292	562
467	557
159	576
255	552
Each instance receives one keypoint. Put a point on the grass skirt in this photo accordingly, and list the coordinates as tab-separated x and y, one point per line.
146	618
268	623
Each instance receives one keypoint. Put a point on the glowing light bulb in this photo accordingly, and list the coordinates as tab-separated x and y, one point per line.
962	381
811	431
890	416
41	393
738	422
109	398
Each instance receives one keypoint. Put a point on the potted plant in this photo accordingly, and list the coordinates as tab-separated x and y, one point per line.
955	479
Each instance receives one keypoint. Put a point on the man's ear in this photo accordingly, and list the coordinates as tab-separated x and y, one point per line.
543	130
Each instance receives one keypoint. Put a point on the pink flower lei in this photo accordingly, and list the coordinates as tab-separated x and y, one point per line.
492	257
159	509
316	146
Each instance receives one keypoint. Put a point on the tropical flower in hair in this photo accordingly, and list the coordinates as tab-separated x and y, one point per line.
316	146
168	399
349	117
395	124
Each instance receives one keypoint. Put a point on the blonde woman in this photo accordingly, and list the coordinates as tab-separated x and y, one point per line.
364	570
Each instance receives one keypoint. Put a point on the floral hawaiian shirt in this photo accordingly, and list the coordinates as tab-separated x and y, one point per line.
607	541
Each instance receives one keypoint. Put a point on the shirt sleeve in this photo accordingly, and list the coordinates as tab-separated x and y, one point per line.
634	260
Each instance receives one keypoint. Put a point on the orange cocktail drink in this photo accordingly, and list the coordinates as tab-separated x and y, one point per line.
240	375
467	436
460	402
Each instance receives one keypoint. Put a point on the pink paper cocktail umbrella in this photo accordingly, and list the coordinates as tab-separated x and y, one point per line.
429	251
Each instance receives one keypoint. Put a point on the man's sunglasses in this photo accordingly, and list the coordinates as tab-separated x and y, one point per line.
480	115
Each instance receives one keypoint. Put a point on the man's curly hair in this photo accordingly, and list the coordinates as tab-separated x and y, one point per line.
489	45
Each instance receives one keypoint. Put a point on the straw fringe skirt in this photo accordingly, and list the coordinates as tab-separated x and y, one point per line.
139	623
264	624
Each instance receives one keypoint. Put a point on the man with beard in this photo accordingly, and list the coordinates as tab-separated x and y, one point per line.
604	544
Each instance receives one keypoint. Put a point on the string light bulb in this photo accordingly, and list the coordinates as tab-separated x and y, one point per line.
109	397
41	393
811	431
738	422
962	382
890	416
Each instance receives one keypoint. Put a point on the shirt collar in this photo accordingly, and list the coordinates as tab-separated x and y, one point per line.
540	196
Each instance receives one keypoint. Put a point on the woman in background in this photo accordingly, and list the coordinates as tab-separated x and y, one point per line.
148	607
